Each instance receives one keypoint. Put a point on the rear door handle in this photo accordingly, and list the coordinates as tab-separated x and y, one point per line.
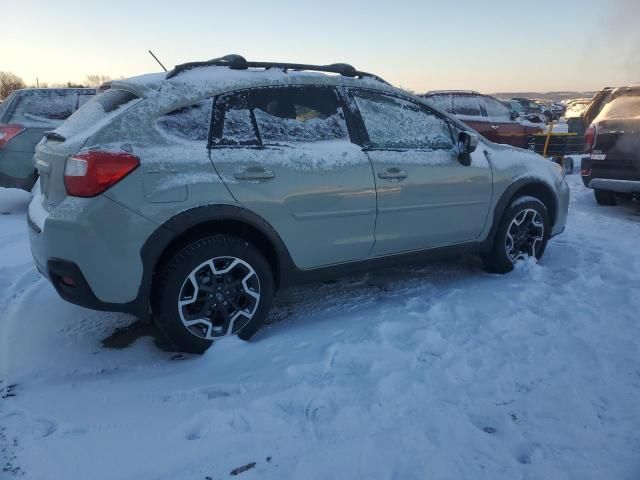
393	173
254	173
495	127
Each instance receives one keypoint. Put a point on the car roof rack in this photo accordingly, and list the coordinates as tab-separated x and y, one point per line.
238	62
445	92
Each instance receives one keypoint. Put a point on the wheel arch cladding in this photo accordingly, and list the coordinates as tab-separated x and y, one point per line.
533	187
199	222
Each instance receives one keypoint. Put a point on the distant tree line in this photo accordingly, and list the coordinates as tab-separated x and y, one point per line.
10	82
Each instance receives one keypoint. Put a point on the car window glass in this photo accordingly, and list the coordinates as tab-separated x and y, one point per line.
188	123
238	127
298	115
44	108
496	109
626	107
443	102
467	105
395	123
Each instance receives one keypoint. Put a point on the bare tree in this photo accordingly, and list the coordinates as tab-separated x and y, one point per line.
8	83
96	80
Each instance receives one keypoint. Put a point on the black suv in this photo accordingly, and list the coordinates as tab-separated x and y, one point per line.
613	144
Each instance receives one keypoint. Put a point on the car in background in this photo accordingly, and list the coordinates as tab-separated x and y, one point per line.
191	196
552	109
485	114
587	111
521	112
25	116
612	142
531	107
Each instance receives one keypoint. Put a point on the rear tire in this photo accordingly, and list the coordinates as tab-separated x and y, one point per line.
216	286
523	232
605	197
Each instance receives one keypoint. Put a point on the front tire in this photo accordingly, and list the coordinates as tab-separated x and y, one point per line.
605	197
214	287
523	232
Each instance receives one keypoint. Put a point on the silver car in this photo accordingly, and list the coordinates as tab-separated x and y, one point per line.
191	197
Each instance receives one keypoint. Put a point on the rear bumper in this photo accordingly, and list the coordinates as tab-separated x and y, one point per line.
619	186
90	250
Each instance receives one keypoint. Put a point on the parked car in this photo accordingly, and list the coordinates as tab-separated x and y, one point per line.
485	114
521	112
24	117
613	144
193	196
584	113
531	107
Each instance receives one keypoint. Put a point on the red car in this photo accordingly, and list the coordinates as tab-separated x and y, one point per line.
486	115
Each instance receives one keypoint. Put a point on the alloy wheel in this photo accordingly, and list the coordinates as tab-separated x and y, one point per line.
219	297
525	235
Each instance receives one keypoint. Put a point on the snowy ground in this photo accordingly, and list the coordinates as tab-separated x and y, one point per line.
444	372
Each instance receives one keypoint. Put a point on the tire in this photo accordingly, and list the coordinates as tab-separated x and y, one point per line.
229	272
605	197
499	260
567	164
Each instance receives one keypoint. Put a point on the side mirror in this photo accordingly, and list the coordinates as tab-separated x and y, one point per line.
514	115
467	143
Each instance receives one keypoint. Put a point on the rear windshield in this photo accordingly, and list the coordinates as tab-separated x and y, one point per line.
96	112
43	108
621	107
5	104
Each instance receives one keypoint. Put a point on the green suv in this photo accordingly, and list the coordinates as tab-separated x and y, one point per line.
191	197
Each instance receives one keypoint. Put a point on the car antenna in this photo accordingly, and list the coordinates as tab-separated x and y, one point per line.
156	59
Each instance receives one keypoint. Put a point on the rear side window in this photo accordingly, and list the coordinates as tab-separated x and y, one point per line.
467	105
395	123
44	108
443	102
233	122
496	109
291	115
188	123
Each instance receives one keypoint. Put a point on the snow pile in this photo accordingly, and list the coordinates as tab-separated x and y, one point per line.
444	372
13	200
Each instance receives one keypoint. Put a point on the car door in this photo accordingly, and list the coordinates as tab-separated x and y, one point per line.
468	109
426	197
286	154
504	128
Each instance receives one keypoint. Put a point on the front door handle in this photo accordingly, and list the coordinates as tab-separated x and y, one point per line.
495	127
393	173
254	173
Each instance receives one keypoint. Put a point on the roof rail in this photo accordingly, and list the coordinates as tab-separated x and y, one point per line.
238	62
441	92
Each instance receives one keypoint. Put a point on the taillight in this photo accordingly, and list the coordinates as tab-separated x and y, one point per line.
90	173
589	139
7	132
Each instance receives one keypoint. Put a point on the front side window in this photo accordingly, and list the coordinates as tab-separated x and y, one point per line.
496	109
467	105
188	123
294	115
395	123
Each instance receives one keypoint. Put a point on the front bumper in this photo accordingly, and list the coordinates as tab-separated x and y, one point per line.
562	213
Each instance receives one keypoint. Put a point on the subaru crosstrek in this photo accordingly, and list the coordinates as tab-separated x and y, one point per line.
191	197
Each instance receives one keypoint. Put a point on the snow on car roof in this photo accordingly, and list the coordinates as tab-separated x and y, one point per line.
210	80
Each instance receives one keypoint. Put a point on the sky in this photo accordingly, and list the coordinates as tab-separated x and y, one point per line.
490	46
